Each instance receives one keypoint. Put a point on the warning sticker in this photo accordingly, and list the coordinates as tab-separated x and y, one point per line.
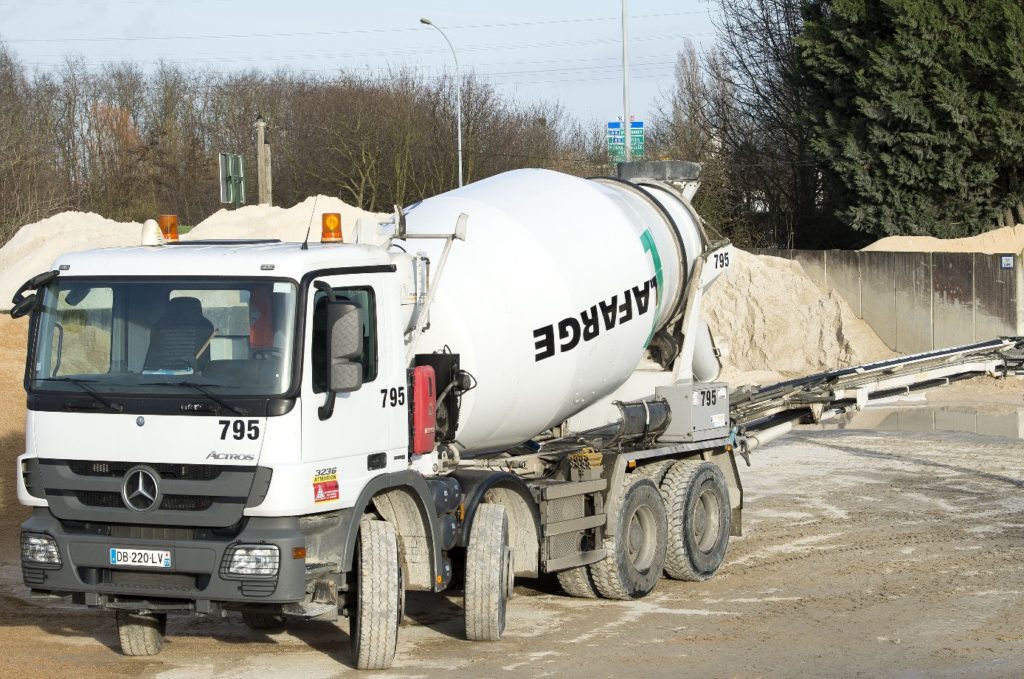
325	487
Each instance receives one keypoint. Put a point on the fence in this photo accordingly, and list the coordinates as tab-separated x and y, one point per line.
917	301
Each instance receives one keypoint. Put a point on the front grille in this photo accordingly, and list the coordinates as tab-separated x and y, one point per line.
125	531
184	472
195	495
163	581
186	503
177	503
97	498
151	532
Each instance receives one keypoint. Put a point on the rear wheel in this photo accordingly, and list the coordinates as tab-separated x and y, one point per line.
655	471
489	574
577	582
636	553
141	633
373	625
700	519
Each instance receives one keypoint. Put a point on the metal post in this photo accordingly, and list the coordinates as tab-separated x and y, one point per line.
458	92
627	127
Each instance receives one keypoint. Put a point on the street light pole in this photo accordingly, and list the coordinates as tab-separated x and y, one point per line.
626	125
458	92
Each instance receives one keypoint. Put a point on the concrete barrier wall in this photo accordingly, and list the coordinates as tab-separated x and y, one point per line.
917	301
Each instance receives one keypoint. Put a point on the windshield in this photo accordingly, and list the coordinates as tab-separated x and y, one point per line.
165	336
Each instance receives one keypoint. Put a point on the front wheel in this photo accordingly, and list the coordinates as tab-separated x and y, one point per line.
489	574
636	553
373	625
262	621
141	634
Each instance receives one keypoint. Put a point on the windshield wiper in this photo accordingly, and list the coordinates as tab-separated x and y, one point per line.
202	389
81	384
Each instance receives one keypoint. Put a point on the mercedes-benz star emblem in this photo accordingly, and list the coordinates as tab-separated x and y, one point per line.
141	490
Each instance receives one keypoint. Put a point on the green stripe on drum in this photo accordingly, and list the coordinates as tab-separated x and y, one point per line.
649	246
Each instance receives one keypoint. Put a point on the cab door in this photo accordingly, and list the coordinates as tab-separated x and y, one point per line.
365	434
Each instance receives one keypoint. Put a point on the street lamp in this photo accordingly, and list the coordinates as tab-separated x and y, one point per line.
627	126
458	91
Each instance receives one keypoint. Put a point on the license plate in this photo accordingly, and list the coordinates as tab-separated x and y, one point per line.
147	558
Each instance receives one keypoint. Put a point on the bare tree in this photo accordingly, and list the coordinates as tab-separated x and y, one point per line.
129	143
28	190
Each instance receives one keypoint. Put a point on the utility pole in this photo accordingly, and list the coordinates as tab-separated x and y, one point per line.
627	127
263	173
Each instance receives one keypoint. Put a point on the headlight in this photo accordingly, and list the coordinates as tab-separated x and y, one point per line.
40	549
259	560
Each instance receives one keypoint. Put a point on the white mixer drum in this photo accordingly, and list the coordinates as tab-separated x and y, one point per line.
554	295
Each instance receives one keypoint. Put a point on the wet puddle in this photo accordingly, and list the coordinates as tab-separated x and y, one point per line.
1005	421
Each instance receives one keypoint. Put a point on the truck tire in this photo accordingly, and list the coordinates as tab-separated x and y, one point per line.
655	471
141	633
577	582
373	625
489	574
263	621
636	553
699	519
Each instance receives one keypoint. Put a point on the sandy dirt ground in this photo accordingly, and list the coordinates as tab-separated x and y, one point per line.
865	553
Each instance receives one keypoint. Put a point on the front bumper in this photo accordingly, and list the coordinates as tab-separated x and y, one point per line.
197	581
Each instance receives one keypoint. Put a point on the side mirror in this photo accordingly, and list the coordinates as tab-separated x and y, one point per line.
346	376
344	343
24	306
344	330
344	346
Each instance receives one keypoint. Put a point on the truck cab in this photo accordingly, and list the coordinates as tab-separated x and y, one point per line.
186	431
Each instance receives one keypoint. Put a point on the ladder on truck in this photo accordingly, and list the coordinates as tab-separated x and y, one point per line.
764	413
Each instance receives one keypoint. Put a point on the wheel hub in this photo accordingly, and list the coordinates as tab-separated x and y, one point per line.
640	537
706	521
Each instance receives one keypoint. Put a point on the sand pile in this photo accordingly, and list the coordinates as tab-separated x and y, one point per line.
264	221
13	334
35	246
772	321
1009	239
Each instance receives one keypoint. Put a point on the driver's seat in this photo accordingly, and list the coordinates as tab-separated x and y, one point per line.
179	335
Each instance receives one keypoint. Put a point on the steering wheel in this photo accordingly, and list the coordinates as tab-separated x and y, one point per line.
267	354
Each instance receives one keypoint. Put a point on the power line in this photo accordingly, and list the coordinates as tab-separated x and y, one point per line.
488	76
322	54
388	52
356	31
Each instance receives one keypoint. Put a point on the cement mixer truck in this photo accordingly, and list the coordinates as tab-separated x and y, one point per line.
506	380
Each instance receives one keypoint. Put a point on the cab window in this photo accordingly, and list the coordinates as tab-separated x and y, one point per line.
366	301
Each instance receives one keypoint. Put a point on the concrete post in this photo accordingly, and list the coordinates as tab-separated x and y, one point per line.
263	172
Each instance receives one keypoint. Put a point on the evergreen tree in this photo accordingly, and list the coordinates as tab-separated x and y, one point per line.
916	109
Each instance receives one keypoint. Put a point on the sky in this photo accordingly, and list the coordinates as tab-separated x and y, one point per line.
568	52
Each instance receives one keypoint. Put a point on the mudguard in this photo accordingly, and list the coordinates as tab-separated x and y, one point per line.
475	484
349	525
